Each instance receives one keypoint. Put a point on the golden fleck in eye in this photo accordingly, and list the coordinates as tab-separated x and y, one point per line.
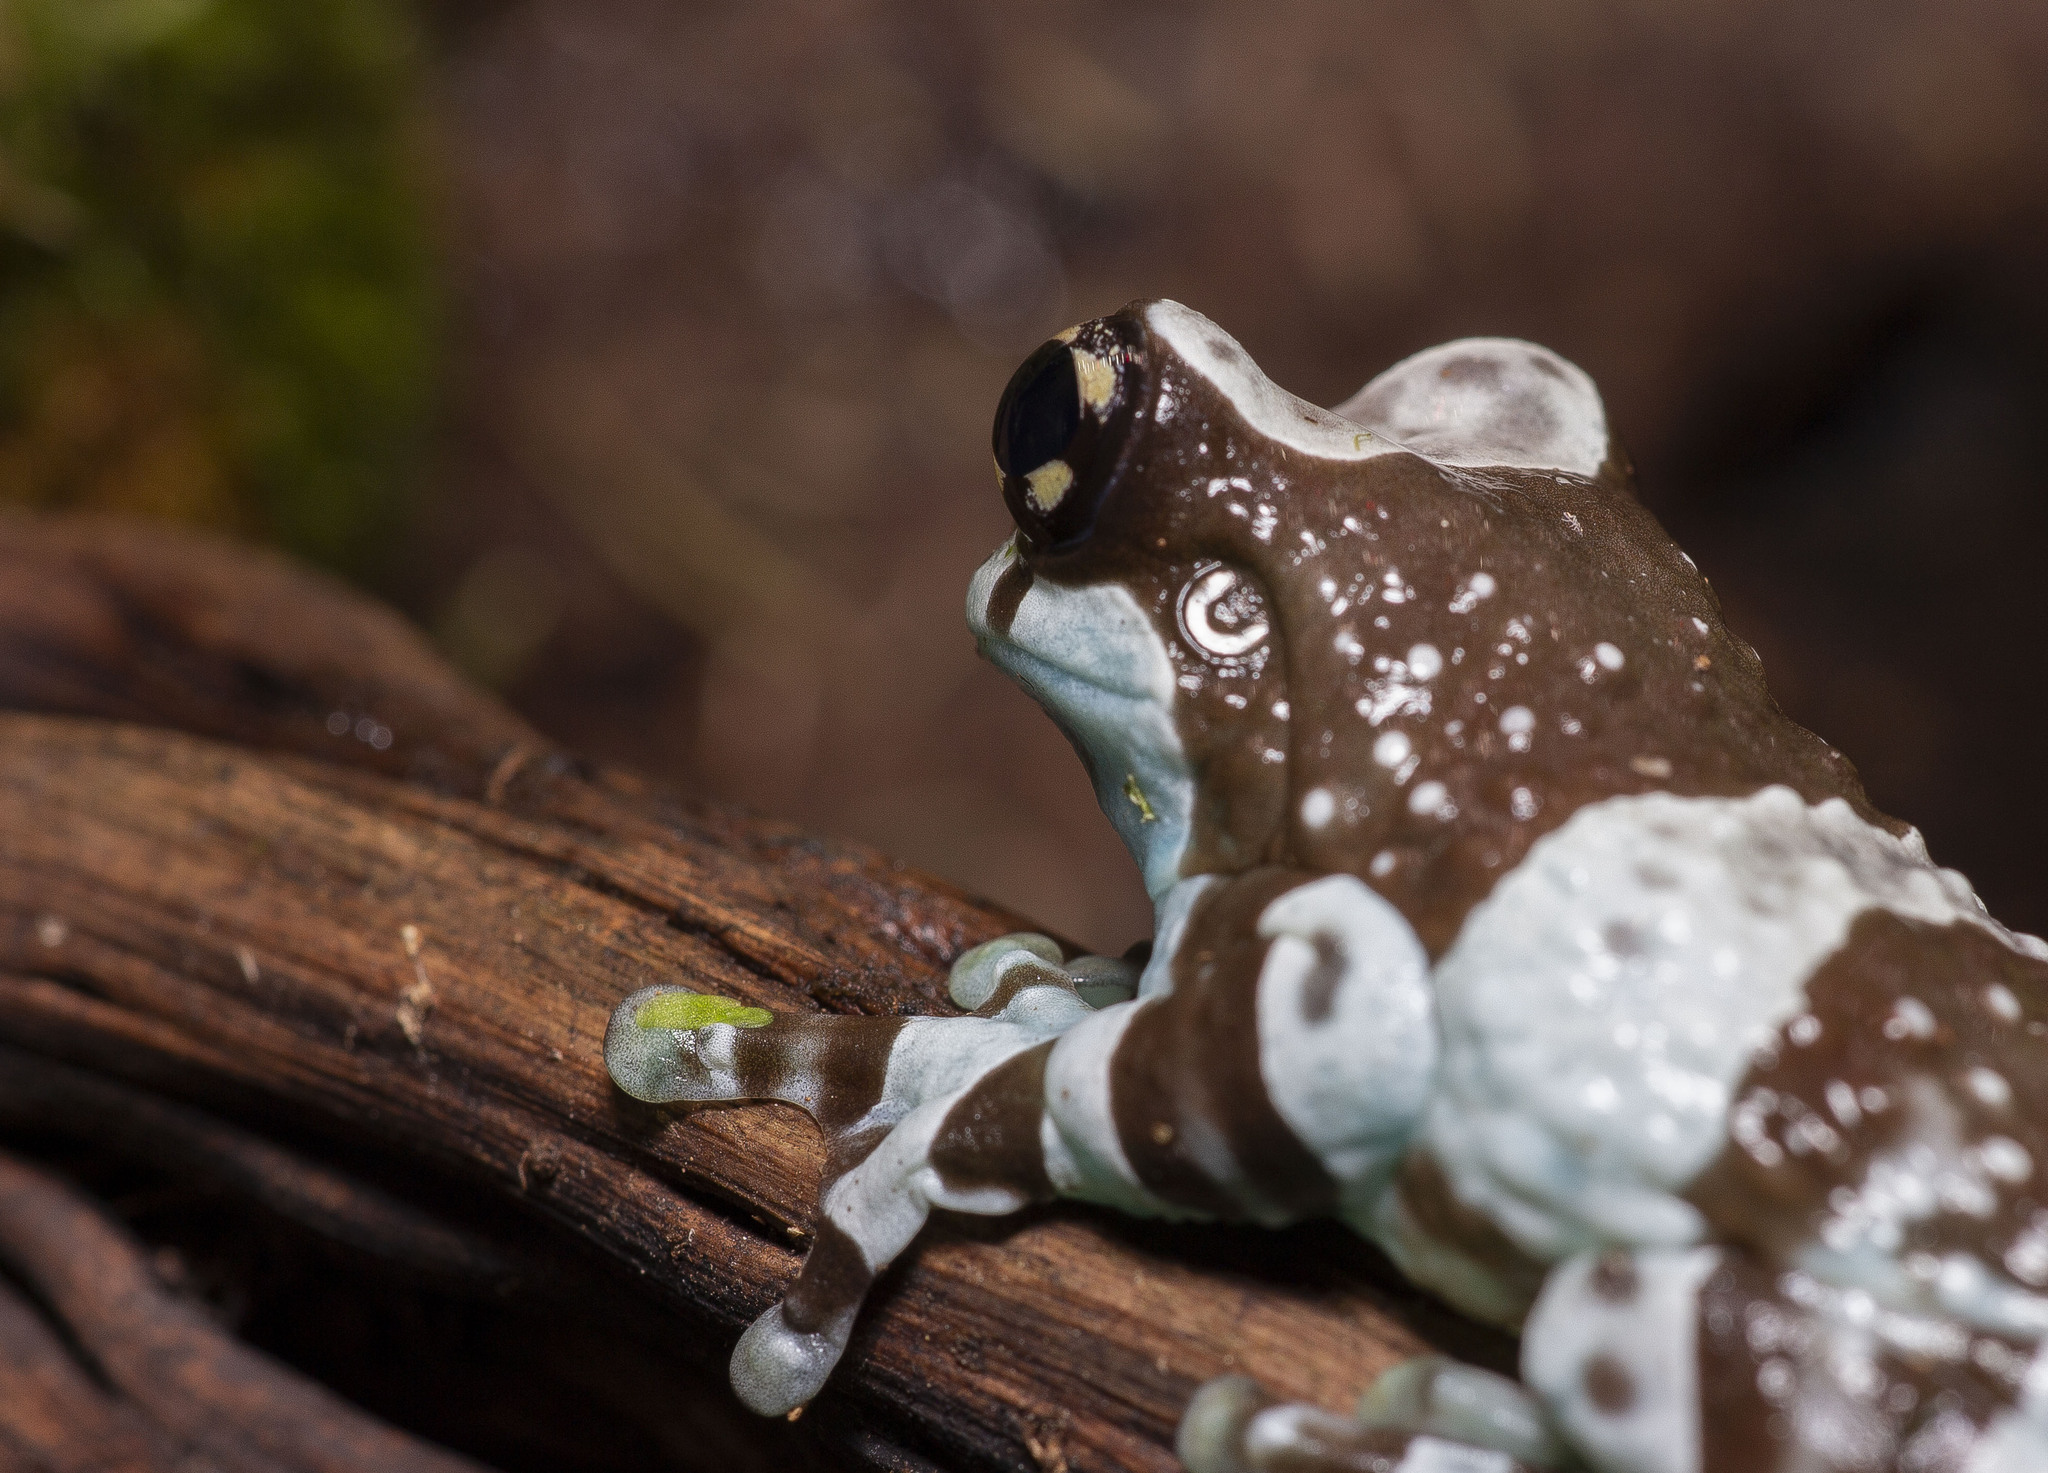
1097	380
1049	484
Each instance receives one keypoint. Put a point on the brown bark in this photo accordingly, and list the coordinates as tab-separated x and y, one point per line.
351	988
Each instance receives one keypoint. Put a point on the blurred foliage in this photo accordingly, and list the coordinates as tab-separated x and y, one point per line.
217	296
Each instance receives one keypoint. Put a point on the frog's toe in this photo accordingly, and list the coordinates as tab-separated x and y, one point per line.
1233	1426
982	979
669	1043
978	969
1211	1435
1436	1395
1104	981
777	1367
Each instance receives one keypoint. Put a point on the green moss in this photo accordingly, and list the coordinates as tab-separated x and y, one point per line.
217	288
686	1010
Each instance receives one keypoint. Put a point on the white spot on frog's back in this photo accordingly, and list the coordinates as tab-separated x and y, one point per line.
1432	800
1092	658
1097	380
1478	586
1488	401
1910	1018
1989	1086
1601	1005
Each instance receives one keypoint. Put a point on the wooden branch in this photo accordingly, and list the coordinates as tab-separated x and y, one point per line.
40	1095
406	952
198	1383
133	621
55	1415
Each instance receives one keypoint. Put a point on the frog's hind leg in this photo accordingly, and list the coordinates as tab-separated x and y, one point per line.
1424	1416
1709	1360
917	1113
1677	1360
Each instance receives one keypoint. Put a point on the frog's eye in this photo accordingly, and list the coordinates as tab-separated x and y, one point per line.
1058	431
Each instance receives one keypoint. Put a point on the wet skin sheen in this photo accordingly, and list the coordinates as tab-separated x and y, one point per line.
1500	913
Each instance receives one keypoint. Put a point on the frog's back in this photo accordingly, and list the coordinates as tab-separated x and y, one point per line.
1607	1011
1518	645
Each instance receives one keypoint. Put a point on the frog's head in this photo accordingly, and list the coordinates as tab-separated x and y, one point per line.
1187	589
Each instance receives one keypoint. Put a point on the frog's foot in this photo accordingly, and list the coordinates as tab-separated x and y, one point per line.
1234	1427
917	1113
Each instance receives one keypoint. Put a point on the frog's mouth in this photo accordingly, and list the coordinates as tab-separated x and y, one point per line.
1091	658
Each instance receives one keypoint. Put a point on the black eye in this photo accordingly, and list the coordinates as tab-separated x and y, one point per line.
1060	428
1039	412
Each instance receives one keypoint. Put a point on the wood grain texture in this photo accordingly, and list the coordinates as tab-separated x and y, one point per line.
362	987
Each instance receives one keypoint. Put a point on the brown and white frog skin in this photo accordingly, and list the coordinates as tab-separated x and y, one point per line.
1500	913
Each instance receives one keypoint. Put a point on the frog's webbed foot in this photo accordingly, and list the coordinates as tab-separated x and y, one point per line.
917	1113
1428	1413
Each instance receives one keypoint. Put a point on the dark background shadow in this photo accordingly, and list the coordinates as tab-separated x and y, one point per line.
688	321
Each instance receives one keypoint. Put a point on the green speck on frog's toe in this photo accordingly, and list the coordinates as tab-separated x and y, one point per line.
683	1011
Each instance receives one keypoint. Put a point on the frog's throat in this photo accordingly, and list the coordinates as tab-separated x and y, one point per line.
1092	659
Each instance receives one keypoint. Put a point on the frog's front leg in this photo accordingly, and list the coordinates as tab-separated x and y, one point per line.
917	1113
1270	1068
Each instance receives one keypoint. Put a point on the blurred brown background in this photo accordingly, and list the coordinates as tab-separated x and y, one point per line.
645	351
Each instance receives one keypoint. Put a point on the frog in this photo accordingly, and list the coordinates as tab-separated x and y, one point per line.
1500	913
